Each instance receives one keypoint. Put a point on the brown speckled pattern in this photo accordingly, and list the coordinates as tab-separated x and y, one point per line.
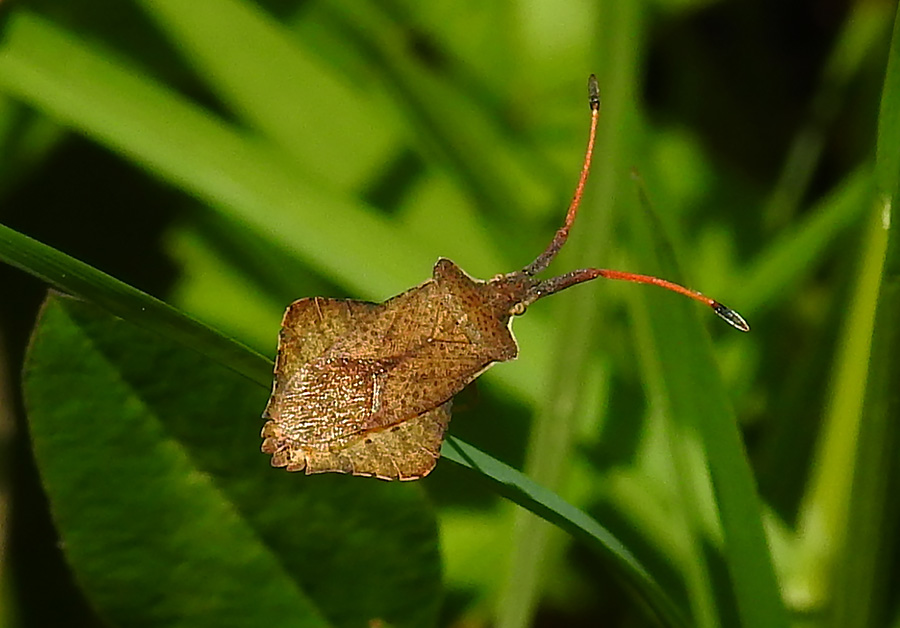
366	388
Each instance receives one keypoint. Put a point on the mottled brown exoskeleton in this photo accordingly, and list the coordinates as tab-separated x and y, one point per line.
366	388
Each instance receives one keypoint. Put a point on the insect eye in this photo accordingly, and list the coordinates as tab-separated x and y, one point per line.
518	309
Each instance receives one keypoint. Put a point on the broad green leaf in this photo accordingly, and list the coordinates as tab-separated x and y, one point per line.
170	514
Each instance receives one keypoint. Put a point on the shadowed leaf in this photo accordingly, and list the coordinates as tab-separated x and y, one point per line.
171	517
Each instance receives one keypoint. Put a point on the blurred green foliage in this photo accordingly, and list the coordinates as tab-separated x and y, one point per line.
229	157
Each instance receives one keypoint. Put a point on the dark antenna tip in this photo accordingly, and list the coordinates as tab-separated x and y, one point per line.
730	316
594	93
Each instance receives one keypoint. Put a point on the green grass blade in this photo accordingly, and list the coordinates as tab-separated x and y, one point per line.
862	32
887	158
444	117
827	503
267	73
262	71
549	506
862	597
723	507
238	175
77	278
781	267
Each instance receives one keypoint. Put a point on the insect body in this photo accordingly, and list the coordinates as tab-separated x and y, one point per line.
366	388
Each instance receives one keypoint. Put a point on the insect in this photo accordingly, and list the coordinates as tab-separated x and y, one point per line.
366	388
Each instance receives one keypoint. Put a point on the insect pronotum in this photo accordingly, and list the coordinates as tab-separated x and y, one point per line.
366	388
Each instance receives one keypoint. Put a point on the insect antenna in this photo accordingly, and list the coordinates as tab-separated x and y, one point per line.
562	234
555	284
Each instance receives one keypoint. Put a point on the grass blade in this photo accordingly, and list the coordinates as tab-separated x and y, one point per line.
826	507
263	73
724	508
862	597
245	179
77	278
796	253
549	506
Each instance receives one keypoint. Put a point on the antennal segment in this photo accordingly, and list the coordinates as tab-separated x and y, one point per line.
555	284
543	260
534	289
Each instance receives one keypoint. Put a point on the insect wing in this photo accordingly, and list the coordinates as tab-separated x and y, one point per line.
318	426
